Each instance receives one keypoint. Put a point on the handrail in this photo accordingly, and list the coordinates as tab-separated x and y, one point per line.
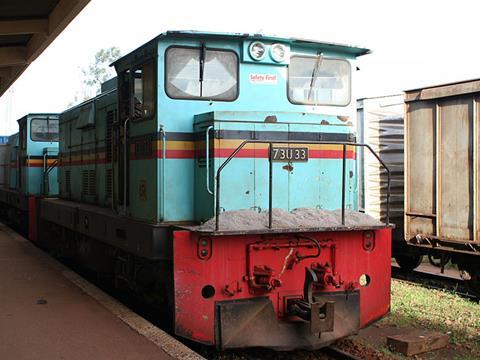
113	135
270	175
125	160
207	157
45	166
46	177
164	155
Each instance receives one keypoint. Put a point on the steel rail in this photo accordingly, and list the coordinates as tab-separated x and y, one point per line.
339	354
434	281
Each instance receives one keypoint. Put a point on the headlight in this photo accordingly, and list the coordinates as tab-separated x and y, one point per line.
278	52
257	50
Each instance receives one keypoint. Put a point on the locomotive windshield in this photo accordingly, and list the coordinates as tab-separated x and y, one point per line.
45	129
199	73
319	81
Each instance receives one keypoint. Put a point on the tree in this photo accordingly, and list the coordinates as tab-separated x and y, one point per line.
99	71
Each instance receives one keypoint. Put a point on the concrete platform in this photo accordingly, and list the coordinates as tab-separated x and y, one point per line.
49	312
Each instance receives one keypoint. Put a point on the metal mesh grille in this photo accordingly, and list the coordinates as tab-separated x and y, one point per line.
68	182
92	183
108	183
89	185
108	136
85	182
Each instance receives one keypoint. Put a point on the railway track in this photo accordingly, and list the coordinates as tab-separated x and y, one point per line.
339	354
434	281
327	353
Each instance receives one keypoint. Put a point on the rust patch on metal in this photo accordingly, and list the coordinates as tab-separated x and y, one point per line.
271	119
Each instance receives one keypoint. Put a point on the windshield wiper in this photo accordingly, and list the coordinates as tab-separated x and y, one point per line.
202	66
314	74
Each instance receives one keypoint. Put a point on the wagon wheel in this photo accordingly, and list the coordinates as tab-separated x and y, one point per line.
473	278
437	261
409	262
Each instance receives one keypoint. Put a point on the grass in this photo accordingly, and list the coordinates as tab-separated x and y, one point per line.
417	307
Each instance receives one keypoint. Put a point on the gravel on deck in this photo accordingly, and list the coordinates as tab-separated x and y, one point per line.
308	218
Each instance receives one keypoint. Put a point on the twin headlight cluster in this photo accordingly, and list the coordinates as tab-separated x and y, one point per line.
258	51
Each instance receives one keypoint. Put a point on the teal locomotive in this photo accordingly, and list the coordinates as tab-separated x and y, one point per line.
31	166
238	132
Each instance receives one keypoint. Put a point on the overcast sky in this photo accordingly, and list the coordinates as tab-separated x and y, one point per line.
414	43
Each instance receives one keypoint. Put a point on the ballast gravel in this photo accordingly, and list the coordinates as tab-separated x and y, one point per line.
248	220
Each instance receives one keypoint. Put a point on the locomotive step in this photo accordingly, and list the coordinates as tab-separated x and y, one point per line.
49	312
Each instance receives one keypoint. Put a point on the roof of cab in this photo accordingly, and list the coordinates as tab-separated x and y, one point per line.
353	50
347	49
38	114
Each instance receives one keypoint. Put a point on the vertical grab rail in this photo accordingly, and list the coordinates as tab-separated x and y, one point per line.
270	175
164	154
207	157
45	166
270	182
344	154
113	158
125	159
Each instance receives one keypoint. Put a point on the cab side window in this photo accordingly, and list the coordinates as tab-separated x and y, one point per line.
144	91
44	129
137	91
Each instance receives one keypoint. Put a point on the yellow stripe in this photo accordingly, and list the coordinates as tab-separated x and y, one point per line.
39	161
175	145
231	144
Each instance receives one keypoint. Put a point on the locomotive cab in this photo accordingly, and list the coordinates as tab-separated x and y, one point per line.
174	88
37	152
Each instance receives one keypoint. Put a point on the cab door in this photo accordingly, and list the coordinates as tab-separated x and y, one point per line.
136	159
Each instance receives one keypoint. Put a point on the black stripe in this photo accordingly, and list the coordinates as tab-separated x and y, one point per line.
179	136
283	135
254	135
84	151
175	136
240	135
278	135
40	157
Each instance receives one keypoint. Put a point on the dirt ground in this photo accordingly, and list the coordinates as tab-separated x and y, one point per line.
415	307
371	343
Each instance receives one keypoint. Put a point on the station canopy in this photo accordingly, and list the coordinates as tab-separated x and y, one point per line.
27	27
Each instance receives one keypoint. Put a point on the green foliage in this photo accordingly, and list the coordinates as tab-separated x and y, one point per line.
99	71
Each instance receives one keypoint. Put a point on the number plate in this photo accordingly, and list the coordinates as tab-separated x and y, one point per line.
290	154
